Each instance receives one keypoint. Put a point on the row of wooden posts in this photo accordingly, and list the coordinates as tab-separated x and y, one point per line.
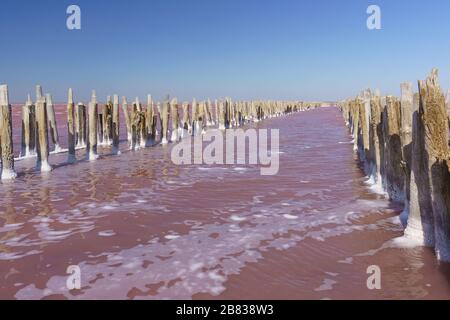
404	146
88	128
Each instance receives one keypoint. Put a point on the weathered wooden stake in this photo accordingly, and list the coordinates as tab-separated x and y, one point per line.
175	120
28	129
433	112
71	158
394	174
186	122
107	122
406	103
127	117
115	125
165	122
52	123
42	139
149	121
6	146
375	138
194	117
135	125
222	116
93	120
80	125
142	133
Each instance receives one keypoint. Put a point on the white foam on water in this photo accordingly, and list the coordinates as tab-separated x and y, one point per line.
237	218
108	207
327	285
172	236
107	233
346	261
289	216
404	242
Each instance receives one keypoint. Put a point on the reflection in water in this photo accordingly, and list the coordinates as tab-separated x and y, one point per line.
140	227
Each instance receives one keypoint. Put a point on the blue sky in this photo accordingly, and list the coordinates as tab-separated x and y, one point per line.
268	49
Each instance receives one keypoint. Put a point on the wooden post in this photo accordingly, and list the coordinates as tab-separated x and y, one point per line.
186	123
100	131
406	103
52	123
39	93
82	125
149	121
364	115
42	139
432	113
165	122
216	112
222	116
159	118
394	175
127	117
355	129
135	124
375	139
107	122
142	134
7	153
155	123
71	158
93	120
115	125
27	128
175	120
194	116
201	118
209	118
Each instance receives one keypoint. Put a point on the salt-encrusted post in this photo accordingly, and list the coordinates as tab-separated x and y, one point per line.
355	118
93	120
115	125
406	103
127	117
28	128
222	116
201	118
216	112
420	220
175	120
107	121
7	153
165	122
100	110
42	139
375	139
435	123
135	125
80	125
71	158
39	93
209	119
142	133
52	123
149	121
394	174
194	115
364	124
186	123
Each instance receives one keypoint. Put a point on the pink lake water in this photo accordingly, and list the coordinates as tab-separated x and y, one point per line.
140	227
